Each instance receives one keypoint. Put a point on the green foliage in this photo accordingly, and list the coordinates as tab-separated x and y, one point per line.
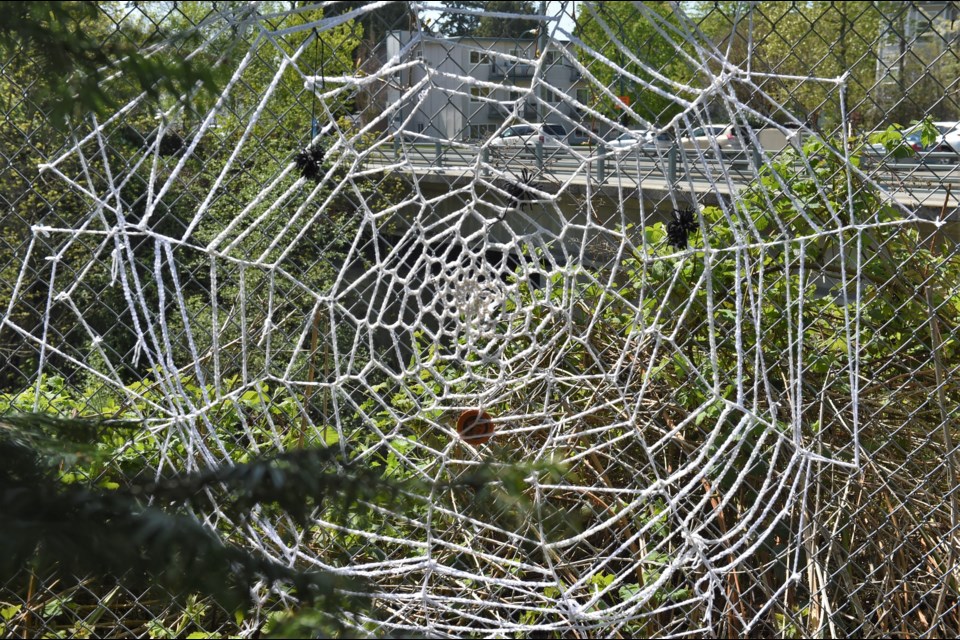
455	25
73	60
810	211
140	532
492	27
101	302
893	138
821	39
767	288
808	218
90	476
79	501
374	24
632	35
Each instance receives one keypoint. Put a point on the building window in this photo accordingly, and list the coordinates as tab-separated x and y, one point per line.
551	57
479	57
551	96
477	94
583	96
506	93
482	131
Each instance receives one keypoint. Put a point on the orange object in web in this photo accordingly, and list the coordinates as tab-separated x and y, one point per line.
475	427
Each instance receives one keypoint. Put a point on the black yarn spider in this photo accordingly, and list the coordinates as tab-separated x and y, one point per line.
520	192
680	228
310	161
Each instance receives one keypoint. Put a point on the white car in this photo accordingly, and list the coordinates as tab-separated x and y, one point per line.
911	139
528	135
941	151
645	139
733	140
949	138
703	139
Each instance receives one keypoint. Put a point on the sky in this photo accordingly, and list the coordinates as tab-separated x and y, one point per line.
565	9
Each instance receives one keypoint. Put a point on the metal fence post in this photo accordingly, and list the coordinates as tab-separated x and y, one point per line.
601	168
539	152
672	164
485	159
438	151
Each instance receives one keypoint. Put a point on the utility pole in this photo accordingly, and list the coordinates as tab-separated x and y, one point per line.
541	46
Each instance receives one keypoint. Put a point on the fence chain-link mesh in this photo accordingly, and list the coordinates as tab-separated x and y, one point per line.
691	266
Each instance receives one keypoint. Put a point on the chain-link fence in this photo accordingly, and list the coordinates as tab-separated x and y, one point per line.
683	275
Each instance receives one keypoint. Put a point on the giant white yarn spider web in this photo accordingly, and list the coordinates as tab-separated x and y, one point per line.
371	304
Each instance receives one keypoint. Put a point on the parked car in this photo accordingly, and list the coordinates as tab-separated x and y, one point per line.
645	139
940	151
578	136
528	135
949	139
733	139
876	147
703	138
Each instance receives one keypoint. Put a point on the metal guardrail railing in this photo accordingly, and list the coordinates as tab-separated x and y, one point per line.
934	169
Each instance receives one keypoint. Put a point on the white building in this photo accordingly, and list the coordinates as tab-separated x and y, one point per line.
475	85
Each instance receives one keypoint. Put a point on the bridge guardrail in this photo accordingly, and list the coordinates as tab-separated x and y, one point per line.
930	169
